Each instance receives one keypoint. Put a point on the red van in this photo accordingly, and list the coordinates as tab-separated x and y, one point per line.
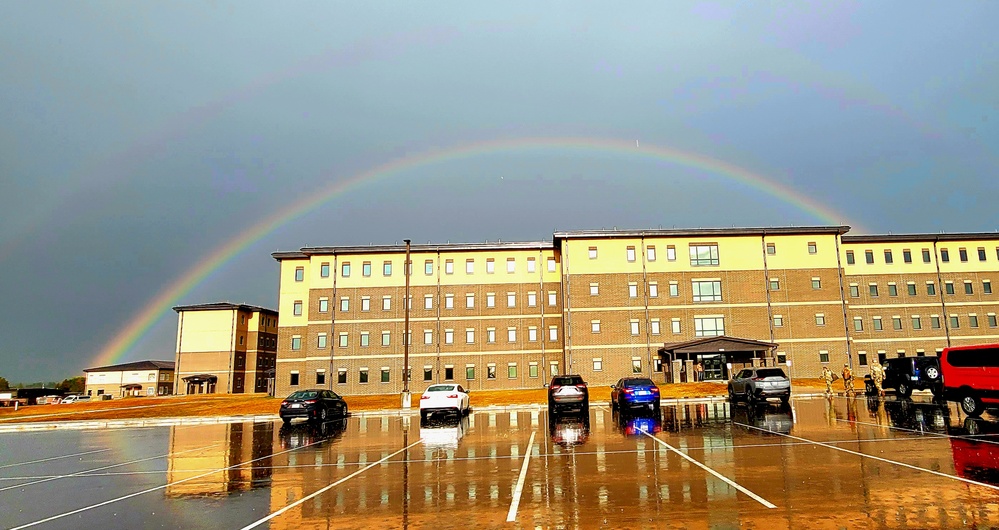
971	377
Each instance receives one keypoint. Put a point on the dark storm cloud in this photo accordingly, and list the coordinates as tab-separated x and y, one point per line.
139	137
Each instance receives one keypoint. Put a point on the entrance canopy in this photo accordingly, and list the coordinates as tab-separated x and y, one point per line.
201	378
132	386
717	355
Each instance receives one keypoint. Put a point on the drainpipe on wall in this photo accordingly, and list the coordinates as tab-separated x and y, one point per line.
334	305
645	295
766	284
232	352
940	290
567	352
176	364
437	305
542	300
842	297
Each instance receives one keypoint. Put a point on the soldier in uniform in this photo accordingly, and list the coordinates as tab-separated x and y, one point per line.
827	376
848	380
878	376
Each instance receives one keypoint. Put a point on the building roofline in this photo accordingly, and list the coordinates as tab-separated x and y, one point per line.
216	306
701	232
887	238
306	252
137	365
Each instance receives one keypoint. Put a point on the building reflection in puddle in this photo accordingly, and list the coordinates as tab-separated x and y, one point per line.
238	443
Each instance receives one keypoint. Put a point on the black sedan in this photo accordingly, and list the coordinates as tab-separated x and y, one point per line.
313	405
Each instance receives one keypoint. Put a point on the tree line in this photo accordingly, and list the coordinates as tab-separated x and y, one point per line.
73	384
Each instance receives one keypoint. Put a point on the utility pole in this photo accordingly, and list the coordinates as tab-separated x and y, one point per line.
407	400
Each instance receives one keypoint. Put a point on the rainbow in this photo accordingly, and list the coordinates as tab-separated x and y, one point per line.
139	325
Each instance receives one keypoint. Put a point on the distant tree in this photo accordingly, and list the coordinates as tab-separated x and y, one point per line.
4	384
73	384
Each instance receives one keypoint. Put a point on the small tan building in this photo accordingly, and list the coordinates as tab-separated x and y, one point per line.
225	348
141	378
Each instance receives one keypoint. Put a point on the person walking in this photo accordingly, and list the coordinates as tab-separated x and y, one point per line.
827	376
878	377
698	371
848	380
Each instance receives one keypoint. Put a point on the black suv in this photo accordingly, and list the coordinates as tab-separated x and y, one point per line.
907	373
568	391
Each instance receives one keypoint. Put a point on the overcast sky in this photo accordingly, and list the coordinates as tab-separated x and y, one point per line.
138	138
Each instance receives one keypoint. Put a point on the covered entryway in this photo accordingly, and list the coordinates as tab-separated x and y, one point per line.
131	389
201	383
717	356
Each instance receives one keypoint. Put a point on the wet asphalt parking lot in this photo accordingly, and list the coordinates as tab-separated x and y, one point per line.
818	463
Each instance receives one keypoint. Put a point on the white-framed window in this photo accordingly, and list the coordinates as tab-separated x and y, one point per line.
448	336
428	336
598	364
448	301
344	304
820	319
816	283
296	342
365	339
654	326
594	289
365	303
713	326
491	371
551	264
592	252
491	335
595	326
532	369
428	267
631	254
675	325
343	340
511	299
511	370
324	305
703	255
636	365
650	253
297	308
511	334
469	336
632	290
490	299
321	341
386	338
532	334
653	290
532	265
511	265
674	289
778	321
386	303
670	253
706	290
428	301
490	266
634	327
449	266
532	299
553	333
469	266
469	300
552	298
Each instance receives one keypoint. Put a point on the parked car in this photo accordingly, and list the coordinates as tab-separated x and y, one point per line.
75	398
448	398
907	373
568	392
971	377
634	392
311	433
313	405
759	383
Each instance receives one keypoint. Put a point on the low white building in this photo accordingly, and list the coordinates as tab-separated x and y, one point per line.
140	378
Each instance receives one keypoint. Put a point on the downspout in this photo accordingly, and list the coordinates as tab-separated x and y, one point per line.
232	352
645	296
766	283
940	290
842	297
542	300
566	301
334	306
176	367
437	305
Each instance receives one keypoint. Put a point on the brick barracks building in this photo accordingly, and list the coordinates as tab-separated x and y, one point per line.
612	303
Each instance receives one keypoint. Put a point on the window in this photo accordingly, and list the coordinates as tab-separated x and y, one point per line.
896	323
926	255
598	364
778	321
531	265
774	284
709	326
874	289
911	288
511	265
448	372
511	299
428	336
653	290
850	260
671	253
636	365
934	321
869	256
324	270
674	289
944	255
366	269
820	319
634	328
428	301
490	266
917	323
532	299
551	264
320	377
362	376
931	288
428	373
387	268
299	274
981	253
633	290
341	376
491	371
491	335
707	290
877	324
986	287
594	289
386	338
532	334
553	334
631	253
448	336
675	325
771	249
892	289
553	368
955	322
365	303
469	336
907	256
344	304
449	266
650	253
345	269
949	287
343	340
293	380
324	305
823	356
816	283
888	258
595	326
469	371
511	370
365	339
593	252
968	288
297	308
386	303
448	301
296	343
812	248
858	324
992	320
532	370
654	326
963	254
973	320
321	341
511	334
862	358
469	300
703	255
854	290
490	299
552	299
781	357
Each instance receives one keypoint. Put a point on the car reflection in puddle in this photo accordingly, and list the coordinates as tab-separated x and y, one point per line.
911	415
975	447
767	418
569	430
310	434
443	431
637	424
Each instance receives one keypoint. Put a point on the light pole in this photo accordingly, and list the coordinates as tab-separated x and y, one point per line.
407	400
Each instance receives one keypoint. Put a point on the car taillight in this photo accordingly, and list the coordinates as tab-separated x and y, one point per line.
556	387
424	397
628	390
452	396
309	401
284	403
655	390
581	386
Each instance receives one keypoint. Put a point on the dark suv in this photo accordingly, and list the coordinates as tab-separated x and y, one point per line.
907	373
568	392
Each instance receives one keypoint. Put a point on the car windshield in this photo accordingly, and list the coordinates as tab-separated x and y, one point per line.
638	382
568	380
441	388
304	394
770	372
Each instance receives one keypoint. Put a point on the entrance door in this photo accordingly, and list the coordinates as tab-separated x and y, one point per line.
714	367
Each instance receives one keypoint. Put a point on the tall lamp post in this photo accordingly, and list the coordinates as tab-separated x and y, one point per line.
407	399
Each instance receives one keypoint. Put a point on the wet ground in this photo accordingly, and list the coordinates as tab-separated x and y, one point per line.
818	463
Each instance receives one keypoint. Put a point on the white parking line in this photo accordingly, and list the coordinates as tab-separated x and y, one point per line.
512	514
53	458
878	458
914	431
727	480
327	488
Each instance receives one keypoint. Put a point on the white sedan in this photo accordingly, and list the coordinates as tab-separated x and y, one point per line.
444	398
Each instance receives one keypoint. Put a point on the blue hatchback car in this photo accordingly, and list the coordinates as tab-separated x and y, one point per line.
635	392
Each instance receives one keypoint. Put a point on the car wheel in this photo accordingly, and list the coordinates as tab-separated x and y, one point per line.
731	394
971	404
903	389
322	414
343	411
